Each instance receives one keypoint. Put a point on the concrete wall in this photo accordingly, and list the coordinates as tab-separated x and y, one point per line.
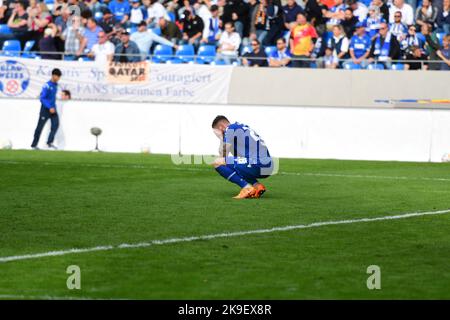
337	88
301	132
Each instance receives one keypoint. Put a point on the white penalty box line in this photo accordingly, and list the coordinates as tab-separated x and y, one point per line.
216	236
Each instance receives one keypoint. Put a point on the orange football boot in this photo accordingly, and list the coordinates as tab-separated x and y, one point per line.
245	193
260	189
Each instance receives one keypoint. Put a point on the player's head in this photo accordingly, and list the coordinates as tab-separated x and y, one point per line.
220	124
56	75
66	95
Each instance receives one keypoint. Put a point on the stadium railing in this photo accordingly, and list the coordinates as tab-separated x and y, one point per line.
218	59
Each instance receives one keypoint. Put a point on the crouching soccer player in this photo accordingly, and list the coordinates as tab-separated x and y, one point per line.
250	159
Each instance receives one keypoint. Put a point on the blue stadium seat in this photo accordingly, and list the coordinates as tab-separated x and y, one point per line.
162	53
375	66
171	16
185	52
246	49
440	37
269	50
218	63
352	66
98	16
27	50
132	30
4	29
174	61
398	66
206	53
11	48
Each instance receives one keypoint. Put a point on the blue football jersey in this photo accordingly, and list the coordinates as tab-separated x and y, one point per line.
246	143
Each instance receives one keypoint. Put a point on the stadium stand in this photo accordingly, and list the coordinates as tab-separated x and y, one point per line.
252	19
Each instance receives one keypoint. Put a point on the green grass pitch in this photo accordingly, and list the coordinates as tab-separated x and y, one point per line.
62	200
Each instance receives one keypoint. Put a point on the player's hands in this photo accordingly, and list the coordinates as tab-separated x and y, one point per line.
52	110
219	162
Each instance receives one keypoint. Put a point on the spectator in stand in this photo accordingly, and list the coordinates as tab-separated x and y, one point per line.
444	53
275	21
127	50
213	27
290	10
144	39
205	14
154	12
237	12
186	6
385	47
427	13
138	13
315	10
282	57
339	44
103	51
74	40
94	6
229	43
431	45
255	58
410	39
47	44
38	19
359	9
259	23
170	30
359	47
79	4
62	19
121	11
415	54
91	33
302	41
336	14
329	60
3	9
383	8
18	23
373	22
398	28
108	22
443	18
349	23
192	28
405	9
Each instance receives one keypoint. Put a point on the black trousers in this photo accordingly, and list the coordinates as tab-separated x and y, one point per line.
44	115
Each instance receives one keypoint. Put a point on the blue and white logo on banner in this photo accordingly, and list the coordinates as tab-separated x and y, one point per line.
14	78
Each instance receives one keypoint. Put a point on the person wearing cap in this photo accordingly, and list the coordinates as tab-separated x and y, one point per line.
359	47
47	44
144	39
192	28
48	110
108	22
127	50
138	13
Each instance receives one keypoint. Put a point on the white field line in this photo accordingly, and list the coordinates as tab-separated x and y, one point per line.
181	168
216	236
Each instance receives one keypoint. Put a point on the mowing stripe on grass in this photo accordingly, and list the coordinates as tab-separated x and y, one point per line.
181	168
46	297
215	236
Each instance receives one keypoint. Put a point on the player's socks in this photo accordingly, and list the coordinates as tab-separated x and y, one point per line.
232	176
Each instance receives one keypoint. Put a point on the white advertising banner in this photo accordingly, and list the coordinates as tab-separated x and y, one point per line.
138	82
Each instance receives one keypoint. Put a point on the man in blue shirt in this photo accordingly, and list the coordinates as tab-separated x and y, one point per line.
359	47
121	10
48	110
244	157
